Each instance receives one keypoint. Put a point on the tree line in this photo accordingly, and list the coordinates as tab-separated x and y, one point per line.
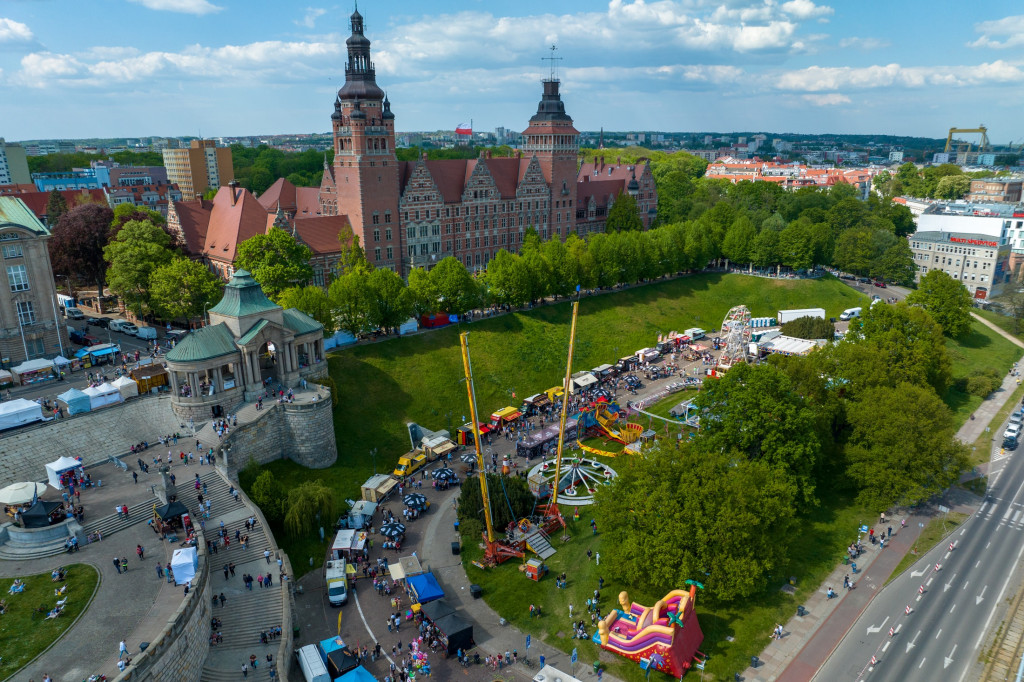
859	418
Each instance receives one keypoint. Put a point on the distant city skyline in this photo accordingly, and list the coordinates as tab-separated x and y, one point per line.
233	68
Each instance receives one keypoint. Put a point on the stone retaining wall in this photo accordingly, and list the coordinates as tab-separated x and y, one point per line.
179	651
303	432
94	436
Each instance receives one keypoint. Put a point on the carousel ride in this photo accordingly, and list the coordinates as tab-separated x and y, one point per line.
578	481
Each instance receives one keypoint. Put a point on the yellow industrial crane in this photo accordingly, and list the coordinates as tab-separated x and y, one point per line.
981	129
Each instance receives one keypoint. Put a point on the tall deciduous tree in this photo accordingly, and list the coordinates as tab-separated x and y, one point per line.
738	245
350	300
456	289
422	294
389	303
183	288
77	242
622	216
139	249
310	504
313	301
948	301
909	342
909	455
754	410
711	516
275	260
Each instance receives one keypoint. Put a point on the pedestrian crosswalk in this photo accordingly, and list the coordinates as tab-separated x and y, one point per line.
1010	516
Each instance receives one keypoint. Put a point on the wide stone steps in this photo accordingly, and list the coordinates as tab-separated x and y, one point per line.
17	553
111	523
242	622
234	674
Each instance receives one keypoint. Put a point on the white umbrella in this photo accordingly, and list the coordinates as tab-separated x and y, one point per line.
19	493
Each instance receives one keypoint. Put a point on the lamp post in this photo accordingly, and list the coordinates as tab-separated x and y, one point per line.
205	305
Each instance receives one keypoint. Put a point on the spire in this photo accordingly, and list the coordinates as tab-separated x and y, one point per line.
387	115
360	77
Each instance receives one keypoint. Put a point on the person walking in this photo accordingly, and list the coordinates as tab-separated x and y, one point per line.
117	565
159	571
266	555
122	650
124	564
245	670
140	551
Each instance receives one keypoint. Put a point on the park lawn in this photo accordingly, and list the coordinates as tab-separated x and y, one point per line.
1004	322
824	535
981	349
24	634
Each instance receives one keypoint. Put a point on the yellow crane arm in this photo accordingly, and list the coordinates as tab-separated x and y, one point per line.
565	405
464	341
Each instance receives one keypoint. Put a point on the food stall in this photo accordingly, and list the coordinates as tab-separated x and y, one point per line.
6	378
379	487
456	633
539	443
34	371
149	377
505	415
348	541
424	587
61	471
534	403
404	568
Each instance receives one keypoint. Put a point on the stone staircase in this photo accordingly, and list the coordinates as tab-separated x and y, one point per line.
245	614
106	525
539	545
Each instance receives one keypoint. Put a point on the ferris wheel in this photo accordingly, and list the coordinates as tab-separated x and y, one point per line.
736	329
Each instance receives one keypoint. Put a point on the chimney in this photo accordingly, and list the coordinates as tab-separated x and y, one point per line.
488	153
423	156
519	153
233	185
618	160
602	162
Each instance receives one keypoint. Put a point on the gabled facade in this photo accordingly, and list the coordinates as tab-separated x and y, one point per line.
414	214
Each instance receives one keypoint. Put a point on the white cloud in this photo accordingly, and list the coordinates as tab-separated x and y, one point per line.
184	6
830	100
14	31
805	9
1009	28
102	66
819	79
864	43
312	14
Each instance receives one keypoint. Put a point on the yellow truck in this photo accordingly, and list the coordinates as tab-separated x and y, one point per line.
409	464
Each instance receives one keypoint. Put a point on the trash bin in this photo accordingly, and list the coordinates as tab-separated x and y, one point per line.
597	666
295	632
455	548
456	524
846	560
792	580
754	662
476	591
801	611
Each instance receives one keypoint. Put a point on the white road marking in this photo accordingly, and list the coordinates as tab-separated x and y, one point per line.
951	608
980	597
981	509
938	633
896	630
997	602
929	581
373	637
886	645
950	583
949	659
872	629
922	663
910	644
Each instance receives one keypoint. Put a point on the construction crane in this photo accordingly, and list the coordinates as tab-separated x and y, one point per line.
981	129
496	551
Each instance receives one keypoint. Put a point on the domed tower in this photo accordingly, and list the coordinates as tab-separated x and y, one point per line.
365	166
553	139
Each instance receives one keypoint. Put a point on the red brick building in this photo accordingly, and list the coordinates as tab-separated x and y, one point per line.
414	213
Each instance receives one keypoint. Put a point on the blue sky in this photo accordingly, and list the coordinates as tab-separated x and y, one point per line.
97	68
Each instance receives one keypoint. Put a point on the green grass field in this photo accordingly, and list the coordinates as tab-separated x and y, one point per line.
982	348
1004	322
25	633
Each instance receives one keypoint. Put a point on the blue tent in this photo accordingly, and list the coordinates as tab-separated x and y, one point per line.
425	587
75	401
359	674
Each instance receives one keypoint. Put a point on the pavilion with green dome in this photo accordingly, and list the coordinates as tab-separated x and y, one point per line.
249	342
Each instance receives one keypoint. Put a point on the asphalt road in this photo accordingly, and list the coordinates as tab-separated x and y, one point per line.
943	635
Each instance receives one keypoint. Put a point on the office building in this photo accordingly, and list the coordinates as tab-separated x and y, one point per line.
30	324
201	166
13	164
980	262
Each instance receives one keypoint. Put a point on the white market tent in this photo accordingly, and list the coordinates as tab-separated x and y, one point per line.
18	412
103	395
409	326
348	540
789	345
32	366
21	493
583	379
60	361
126	386
75	401
184	563
55	469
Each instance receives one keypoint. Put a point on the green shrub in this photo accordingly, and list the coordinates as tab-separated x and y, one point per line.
982	385
809	328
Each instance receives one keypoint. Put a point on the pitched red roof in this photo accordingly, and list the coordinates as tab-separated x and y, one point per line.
36	201
451	175
320	233
608	171
6	190
599	189
281	192
232	225
194	220
307	201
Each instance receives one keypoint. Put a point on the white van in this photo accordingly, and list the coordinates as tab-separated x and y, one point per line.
312	666
146	333
850	313
695	333
337	582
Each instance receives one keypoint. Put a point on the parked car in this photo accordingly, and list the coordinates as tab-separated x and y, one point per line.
129	329
864	280
1012	431
880	284
102	322
847	277
81	338
74	314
